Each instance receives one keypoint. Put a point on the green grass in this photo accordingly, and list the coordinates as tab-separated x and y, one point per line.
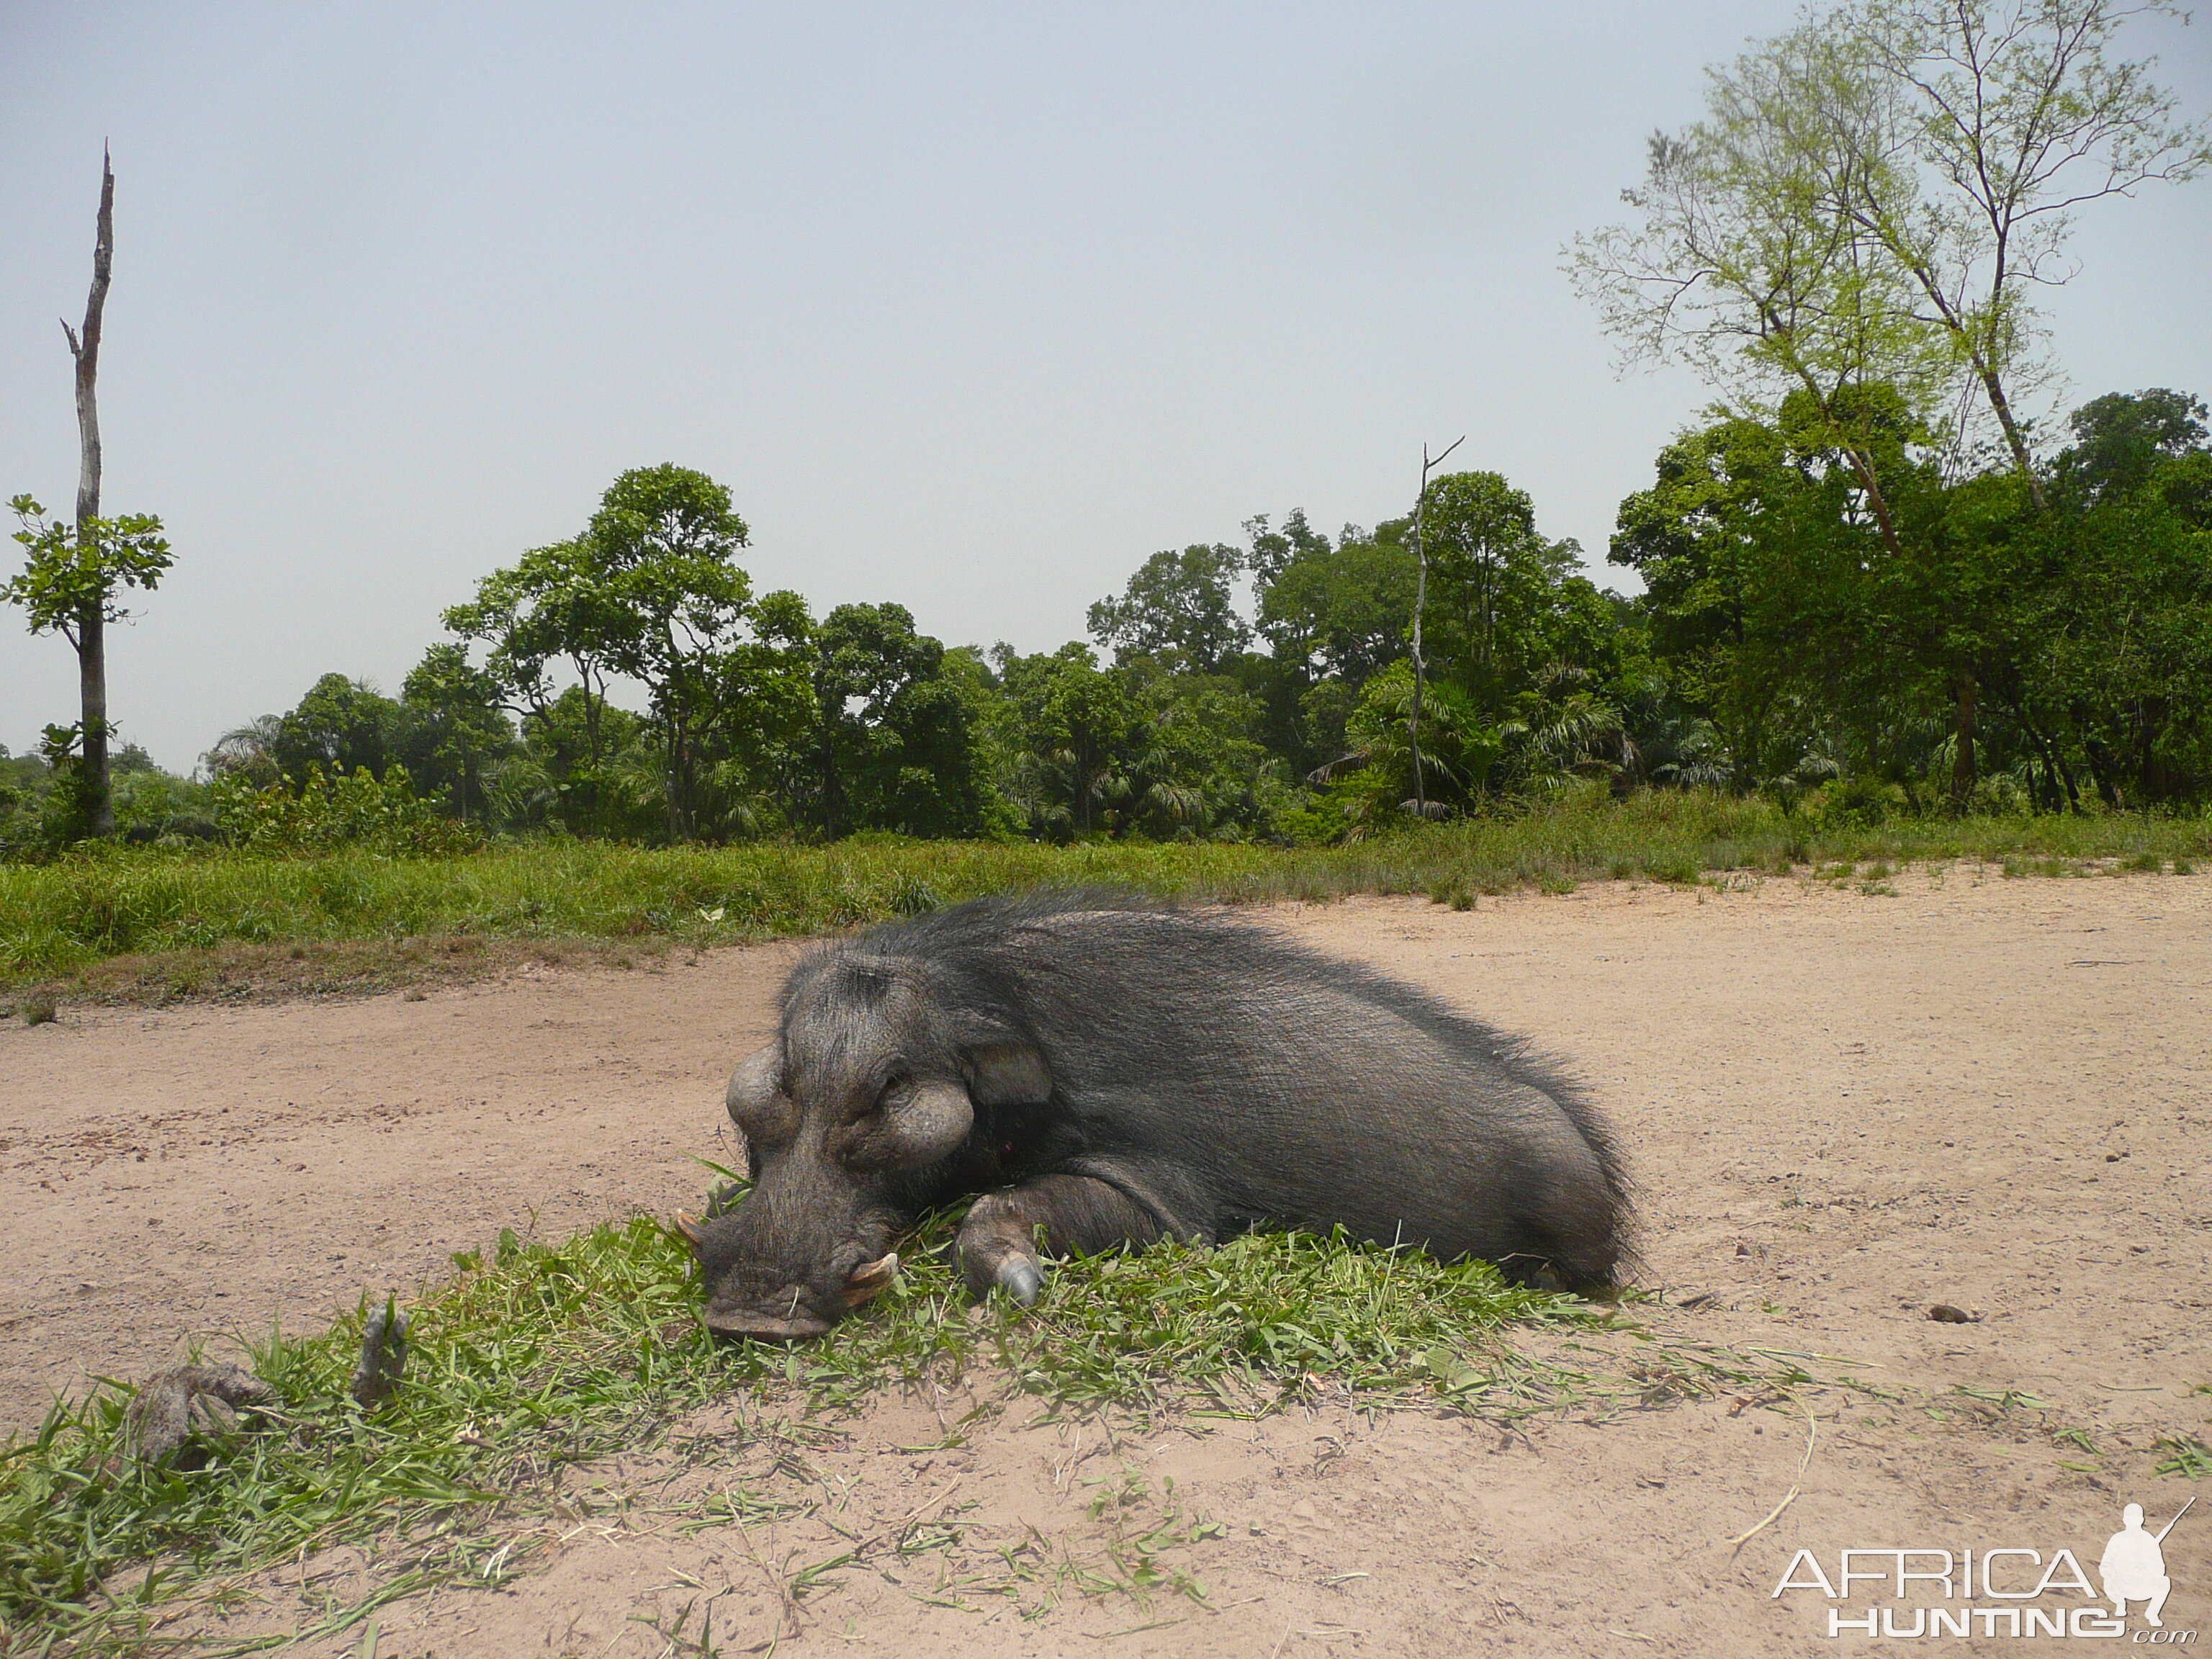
546	1355
59	917
2185	1455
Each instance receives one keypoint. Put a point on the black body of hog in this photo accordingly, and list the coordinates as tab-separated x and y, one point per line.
1101	1070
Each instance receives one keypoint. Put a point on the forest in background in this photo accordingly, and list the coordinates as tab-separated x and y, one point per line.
1261	690
1873	584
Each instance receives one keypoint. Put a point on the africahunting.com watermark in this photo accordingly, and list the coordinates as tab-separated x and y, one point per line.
1894	1595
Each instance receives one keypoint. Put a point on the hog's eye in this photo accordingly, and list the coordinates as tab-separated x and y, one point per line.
894	1093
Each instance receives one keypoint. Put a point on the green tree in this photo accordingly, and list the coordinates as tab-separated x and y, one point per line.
650	590
72	583
2120	439
2109	612
1340	611
664	542
1875	195
1779	611
1139	749
1332	615
1178	606
452	728
590	769
1067	732
340	726
1847	239
1199	765
1709	538
768	768
1507	610
248	751
1372	786
1736	262
1992	126
894	740
1489	572
1272	551
554	604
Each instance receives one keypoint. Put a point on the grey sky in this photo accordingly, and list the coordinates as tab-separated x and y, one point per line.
972	308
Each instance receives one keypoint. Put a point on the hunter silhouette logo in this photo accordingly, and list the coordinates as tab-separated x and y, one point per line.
1998	1592
2133	1565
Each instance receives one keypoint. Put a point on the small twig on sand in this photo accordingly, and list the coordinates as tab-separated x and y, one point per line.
1812	1435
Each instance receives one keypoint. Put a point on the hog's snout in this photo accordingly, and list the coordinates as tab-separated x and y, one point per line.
796	1324
740	1302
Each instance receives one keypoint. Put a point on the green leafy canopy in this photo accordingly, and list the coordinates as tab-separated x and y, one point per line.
75	571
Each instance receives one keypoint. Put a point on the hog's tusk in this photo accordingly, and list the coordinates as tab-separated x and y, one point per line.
869	1280
688	1224
876	1272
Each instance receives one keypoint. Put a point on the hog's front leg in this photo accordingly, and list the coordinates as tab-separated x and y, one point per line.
1001	1241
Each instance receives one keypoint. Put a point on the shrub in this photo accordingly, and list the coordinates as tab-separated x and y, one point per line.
355	809
1859	803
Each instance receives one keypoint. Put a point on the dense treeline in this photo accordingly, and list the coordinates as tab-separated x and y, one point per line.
1872	584
2004	654
1261	690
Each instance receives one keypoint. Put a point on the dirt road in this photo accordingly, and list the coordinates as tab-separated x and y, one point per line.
1843	1107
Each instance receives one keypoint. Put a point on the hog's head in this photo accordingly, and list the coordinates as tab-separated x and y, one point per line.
860	1114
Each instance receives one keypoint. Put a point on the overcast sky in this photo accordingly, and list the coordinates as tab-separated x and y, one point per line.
971	307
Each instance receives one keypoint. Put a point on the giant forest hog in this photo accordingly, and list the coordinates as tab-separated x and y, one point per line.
1102	1069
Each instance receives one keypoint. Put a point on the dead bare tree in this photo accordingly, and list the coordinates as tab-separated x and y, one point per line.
72	580
1429	464
91	624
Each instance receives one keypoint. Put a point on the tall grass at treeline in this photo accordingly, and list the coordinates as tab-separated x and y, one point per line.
57	916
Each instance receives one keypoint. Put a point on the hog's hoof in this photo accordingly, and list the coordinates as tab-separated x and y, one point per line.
1021	1279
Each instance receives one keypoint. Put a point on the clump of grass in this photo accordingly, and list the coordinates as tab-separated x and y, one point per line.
540	1355
37	1010
2185	1455
548	1355
1676	870
1267	1311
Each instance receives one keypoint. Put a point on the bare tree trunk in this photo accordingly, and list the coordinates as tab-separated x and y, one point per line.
2014	439
2066	776
679	815
1420	605
1862	463
1962	754
1985	369
2065	794
92	623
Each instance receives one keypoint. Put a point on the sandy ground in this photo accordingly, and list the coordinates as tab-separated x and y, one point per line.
1843	1107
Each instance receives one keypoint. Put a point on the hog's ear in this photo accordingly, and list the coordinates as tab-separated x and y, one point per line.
757	1101
927	1123
1008	1074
